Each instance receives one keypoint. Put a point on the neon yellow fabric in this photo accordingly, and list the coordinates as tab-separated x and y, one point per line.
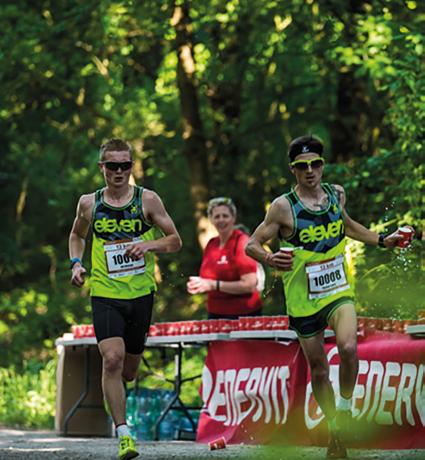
296	286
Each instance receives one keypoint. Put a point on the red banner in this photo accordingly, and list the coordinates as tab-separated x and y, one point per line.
259	392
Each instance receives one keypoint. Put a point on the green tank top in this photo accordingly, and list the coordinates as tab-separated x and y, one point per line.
320	272
113	274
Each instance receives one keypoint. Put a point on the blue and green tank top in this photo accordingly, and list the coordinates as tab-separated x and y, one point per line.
320	272
114	274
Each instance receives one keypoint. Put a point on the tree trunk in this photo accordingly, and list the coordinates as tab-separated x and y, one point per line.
195	148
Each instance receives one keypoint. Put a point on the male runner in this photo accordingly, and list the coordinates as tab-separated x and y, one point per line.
129	224
312	219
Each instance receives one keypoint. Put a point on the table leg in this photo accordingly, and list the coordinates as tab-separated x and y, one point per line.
178	354
83	395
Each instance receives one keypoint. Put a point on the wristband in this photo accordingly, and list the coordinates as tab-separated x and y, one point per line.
381	238
73	261
267	257
217	285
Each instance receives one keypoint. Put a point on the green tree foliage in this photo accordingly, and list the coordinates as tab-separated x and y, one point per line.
27	399
210	93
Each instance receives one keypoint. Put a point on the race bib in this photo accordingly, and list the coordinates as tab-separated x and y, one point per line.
118	263
326	278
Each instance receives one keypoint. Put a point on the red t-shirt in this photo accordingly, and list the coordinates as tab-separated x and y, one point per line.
229	264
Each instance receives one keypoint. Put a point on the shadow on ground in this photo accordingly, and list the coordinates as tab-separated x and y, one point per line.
40	445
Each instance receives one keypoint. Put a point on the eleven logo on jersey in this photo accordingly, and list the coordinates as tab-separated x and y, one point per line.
313	234
112	225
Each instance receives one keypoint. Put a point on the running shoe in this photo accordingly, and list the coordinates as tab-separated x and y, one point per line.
127	448
345	425
336	449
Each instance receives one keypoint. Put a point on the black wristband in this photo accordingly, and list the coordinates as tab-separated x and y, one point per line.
217	285
73	261
381	238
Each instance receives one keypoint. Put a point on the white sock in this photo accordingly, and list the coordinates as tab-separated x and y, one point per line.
344	404
122	430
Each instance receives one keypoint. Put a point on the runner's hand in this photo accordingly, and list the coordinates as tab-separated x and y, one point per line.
78	275
137	250
282	260
391	240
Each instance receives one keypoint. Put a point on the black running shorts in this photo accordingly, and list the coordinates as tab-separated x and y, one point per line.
129	319
308	326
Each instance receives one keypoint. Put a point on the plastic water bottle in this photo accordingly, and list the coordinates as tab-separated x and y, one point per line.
131	413
144	422
169	426
184	422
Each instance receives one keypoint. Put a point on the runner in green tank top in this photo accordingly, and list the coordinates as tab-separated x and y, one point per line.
311	219
129	225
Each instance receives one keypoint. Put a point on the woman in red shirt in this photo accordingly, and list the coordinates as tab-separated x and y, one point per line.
227	274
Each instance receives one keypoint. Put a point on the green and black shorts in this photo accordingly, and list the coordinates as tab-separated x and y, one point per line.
309	326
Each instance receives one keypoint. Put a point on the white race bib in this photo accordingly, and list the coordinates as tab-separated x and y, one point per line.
326	278
118	263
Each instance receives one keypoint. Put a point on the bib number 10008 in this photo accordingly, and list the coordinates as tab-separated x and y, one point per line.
326	278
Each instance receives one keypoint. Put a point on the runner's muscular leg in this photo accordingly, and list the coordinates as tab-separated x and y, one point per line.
344	323
113	355
131	366
319	366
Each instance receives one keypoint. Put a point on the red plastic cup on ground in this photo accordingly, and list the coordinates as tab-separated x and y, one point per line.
219	443
407	234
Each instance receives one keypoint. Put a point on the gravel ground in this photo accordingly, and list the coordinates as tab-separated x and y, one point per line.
40	445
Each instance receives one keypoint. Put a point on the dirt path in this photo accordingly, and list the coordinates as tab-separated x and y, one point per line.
40	445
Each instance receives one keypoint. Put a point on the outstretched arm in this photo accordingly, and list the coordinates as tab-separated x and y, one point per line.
359	232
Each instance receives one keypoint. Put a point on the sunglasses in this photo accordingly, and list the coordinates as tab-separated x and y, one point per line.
114	166
303	165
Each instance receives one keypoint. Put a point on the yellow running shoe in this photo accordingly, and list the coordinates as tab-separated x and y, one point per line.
127	448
